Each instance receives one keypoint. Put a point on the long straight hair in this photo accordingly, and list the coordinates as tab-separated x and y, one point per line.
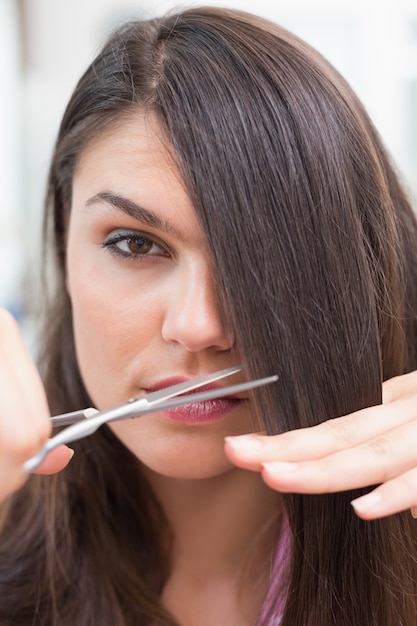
313	244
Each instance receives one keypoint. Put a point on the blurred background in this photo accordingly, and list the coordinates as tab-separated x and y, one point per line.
45	45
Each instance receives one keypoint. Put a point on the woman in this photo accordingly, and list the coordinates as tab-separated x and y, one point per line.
217	195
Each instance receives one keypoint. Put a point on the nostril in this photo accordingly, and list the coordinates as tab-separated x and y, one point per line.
197	332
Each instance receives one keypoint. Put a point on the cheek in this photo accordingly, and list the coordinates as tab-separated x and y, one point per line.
112	333
111	316
100	357
118	312
107	297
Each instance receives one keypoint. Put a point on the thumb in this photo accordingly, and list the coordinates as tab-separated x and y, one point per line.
56	460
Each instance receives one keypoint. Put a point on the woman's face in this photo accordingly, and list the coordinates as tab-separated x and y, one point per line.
144	303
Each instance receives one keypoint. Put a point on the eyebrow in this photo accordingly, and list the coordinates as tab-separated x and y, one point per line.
134	210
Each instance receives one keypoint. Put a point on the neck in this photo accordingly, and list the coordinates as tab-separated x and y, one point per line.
222	536
214	520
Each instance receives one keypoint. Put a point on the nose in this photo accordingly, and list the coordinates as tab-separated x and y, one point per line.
192	316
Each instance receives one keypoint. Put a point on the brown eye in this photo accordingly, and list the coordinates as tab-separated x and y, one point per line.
133	245
139	245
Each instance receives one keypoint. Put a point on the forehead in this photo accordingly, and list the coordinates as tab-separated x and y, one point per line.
132	159
135	138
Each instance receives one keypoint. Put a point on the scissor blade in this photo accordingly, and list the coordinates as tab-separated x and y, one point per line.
154	397
194	398
189	385
136	409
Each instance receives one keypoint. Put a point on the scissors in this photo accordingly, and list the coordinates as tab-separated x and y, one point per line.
85	422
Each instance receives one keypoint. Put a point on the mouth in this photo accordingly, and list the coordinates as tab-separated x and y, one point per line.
198	412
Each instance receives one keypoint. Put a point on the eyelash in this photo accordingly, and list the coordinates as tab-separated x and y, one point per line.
111	244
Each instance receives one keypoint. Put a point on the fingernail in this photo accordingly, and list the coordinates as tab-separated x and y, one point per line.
280	467
364	503
72	452
244	443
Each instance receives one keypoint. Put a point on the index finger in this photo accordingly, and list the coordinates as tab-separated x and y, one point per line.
400	387
315	442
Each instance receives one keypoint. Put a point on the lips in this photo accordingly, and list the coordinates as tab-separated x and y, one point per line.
198	412
203	412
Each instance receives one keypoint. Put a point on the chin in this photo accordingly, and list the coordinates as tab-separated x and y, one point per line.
179	455
188	469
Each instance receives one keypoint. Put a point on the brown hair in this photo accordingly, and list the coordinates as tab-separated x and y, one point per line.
313	244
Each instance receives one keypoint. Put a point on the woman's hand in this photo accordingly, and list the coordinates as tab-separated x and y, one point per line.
374	446
24	413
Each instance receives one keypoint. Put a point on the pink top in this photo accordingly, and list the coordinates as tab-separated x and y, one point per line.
278	579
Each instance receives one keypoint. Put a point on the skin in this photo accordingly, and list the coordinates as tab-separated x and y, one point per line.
142	317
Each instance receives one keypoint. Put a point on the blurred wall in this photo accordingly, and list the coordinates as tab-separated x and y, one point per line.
45	45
